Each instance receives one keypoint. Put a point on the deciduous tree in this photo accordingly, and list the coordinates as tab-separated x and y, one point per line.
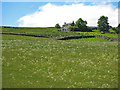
81	24
103	24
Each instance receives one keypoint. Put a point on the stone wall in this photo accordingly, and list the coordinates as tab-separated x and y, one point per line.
107	38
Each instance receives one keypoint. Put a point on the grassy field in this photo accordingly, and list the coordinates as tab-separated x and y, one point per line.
90	40
34	62
48	32
98	33
52	32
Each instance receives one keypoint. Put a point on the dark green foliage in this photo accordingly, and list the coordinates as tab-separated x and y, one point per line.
91	28
88	29
117	30
103	24
73	24
57	26
81	24
110	26
119	25
73	28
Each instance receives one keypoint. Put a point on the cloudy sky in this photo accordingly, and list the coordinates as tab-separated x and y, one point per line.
47	14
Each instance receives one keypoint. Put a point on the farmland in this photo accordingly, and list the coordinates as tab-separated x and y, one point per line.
39	62
52	32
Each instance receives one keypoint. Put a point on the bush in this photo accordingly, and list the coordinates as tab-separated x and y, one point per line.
117	30
57	26
92	28
73	28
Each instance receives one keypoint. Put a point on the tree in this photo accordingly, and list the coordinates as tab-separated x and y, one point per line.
73	24
57	26
103	24
117	29
81	24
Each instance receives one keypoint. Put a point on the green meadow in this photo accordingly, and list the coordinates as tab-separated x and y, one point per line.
53	32
37	62
90	40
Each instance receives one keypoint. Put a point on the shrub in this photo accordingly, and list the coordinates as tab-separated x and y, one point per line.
73	28
57	26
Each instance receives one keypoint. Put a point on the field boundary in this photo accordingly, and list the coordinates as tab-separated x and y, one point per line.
69	37
91	36
77	37
24	35
107	38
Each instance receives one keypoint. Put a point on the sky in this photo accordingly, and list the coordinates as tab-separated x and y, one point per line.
47	14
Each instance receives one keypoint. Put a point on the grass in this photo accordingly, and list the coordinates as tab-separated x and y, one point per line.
52	32
48	32
14	37
111	35
34	62
98	33
90	40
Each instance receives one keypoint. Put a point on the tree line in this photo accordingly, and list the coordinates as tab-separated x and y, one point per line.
81	25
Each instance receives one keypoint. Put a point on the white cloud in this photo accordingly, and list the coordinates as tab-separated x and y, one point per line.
49	14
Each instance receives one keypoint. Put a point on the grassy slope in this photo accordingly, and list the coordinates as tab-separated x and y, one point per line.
90	40
51	32
98	33
41	63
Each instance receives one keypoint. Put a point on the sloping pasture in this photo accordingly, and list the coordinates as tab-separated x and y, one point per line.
35	62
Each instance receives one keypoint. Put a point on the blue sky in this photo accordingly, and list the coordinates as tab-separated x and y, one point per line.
13	11
59	0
